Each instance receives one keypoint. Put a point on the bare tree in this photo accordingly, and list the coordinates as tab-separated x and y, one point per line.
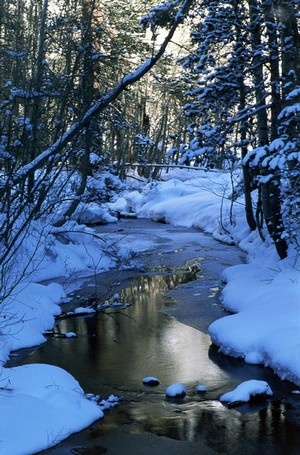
40	170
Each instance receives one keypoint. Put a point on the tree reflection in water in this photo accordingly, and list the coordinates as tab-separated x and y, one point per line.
116	348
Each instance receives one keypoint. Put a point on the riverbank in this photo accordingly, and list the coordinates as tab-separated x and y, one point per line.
262	294
197	304
171	247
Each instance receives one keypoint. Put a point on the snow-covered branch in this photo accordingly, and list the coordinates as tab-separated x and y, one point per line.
248	112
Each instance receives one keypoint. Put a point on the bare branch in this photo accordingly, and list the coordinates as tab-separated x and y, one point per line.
99	105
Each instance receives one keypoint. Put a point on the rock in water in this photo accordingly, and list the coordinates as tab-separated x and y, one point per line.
201	388
151	381
252	390
176	391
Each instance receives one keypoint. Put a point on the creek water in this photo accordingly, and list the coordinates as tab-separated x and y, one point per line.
163	333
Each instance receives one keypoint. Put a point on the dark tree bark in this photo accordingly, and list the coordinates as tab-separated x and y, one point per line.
247	176
270	191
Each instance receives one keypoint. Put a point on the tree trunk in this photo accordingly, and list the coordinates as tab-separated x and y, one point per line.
270	191
37	99
247	178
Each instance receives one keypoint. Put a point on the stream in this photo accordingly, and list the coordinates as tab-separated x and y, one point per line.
173	296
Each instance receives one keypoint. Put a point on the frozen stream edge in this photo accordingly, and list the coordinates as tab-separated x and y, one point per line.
172	247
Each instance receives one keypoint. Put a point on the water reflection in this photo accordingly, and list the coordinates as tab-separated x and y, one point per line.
226	431
121	346
115	349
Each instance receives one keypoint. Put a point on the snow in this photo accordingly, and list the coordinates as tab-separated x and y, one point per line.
263	295
84	310
293	94
43	404
201	388
151	380
92	213
244	391
289	110
70	334
175	390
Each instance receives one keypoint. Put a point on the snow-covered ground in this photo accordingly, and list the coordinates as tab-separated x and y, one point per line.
42	404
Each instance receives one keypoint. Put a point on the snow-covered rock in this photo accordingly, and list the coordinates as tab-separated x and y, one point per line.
176	391
84	310
245	391
93	213
151	381
201	388
70	335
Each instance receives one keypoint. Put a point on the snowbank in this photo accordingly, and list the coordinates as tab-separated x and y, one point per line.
263	295
42	404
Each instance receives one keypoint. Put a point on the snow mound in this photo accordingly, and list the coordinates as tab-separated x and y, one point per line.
151	380
244	391
201	388
43	405
176	391
93	213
